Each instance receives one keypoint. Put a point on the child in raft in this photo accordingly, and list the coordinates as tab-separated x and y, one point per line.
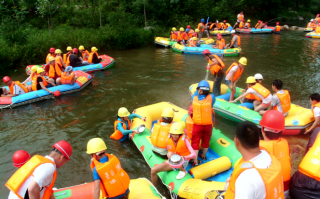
179	144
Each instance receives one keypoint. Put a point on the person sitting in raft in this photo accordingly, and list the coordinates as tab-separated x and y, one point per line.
305	183
280	99
180	36
225	25
259	78
179	144
15	87
50	54
315	103
173	34
122	124
219	43
247	25
272	125
190	29
68	77
310	24
202	102
250	98
54	71
233	75
277	28
32	74
258	173
258	25
84	53
66	55
235	41
110	180
160	132
216	66
240	16
20	157
39	81
186	36
241	25
212	26
59	59
94	56
193	42
260	92
264	25
76	61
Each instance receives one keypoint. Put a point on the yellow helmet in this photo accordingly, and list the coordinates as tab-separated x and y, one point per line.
174	29
94	49
194	38
251	80
34	68
243	61
123	112
96	145
51	59
69	48
167	112
183	124
58	51
197	30
181	29
40	70
176	128
248	20
81	47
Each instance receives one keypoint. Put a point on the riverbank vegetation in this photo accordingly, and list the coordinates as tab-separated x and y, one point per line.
30	27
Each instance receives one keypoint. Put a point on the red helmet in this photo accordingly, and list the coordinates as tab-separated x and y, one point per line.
206	51
277	23
190	109
64	147
242	19
259	21
52	50
219	37
219	34
20	157
273	120
188	26
224	21
75	50
6	79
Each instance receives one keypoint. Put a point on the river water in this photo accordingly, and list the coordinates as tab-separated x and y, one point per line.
141	77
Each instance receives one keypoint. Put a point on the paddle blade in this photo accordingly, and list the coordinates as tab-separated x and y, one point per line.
56	93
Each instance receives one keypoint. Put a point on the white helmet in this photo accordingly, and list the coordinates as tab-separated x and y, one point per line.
258	76
233	31
311	20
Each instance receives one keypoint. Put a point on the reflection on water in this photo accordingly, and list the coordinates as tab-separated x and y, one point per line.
141	77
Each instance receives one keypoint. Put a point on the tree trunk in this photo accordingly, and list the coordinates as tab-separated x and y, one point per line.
52	28
145	16
49	24
100	13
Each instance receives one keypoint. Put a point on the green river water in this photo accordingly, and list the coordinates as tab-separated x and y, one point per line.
141	77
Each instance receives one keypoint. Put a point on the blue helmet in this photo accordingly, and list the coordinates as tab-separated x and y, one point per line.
203	85
187	30
202	20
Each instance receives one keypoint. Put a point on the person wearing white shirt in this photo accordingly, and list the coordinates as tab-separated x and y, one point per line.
315	102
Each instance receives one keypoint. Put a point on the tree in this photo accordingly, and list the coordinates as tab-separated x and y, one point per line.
46	8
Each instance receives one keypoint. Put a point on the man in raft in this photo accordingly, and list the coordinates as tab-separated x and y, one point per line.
173	34
258	174
110	180
122	124
235	41
272	125
93	56
84	53
280	99
54	70
68	77
315	103
39	81
66	55
247	25
179	144
36	178
15	87
50	54
240	16
259	92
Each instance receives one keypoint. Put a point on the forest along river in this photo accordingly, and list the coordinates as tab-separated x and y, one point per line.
141	77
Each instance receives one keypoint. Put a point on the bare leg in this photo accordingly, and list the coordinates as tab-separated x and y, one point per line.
58	81
196	158
256	103
29	88
204	152
235	25
156	169
262	112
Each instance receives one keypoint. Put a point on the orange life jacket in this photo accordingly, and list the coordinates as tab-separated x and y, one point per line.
202	110
278	28
220	45
317	29
49	55
280	149
247	25
219	26
66	56
91	56
117	135
199	27
19	84
271	177
237	74
85	58
258	25
54	70
173	35
225	26
252	97
192	43
34	82
309	25
66	79
240	17
24	172
189	125
58	60
181	148
238	39
211	26
261	90
241	25
181	36
160	134
284	100
217	67
114	180
186	36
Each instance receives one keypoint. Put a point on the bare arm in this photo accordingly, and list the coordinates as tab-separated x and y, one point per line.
232	74
34	190
314	125
241	97
96	190
44	88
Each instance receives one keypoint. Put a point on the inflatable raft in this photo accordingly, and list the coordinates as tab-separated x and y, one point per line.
222	32
308	29
199	50
138	187
253	31
9	102
296	122
106	62
200	179
313	35
162	41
